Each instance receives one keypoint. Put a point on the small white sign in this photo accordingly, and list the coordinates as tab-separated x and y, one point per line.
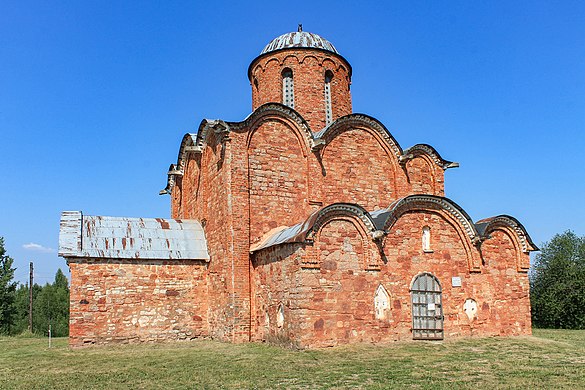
456	281
431	306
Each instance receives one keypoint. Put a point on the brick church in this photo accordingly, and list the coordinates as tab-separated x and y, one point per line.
304	223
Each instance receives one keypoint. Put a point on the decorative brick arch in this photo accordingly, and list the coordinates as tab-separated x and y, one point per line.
450	211
353	121
430	153
282	113
262	61
423	176
515	231
277	144
352	213
411	161
341	209
357	146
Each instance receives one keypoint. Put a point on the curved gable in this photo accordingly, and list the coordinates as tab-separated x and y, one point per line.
342	209
352	121
487	225
277	110
422	202
427	150
359	163
306	230
449	209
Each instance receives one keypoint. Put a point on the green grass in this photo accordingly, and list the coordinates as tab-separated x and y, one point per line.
549	359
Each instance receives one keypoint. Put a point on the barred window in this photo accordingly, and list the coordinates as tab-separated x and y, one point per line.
288	88
328	113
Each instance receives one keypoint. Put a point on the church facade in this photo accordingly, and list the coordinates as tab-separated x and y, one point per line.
305	223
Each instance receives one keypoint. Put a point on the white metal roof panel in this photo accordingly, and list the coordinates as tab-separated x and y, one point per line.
131	238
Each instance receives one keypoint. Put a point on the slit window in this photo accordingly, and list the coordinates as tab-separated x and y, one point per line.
328	111
288	88
426	239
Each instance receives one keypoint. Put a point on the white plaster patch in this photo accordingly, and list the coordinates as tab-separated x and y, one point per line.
470	308
347	247
381	303
280	316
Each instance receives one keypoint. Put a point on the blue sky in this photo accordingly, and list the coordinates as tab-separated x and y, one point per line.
95	97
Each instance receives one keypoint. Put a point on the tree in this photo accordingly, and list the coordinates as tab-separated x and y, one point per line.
51	307
7	290
557	283
21	308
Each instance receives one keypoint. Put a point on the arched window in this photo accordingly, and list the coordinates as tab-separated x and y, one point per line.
328	111
426	239
288	88
427	308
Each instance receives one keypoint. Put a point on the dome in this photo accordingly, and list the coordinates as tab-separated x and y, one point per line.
299	39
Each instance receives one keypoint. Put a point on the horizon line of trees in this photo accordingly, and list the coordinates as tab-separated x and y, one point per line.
50	302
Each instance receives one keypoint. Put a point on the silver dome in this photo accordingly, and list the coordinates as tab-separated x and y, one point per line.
299	39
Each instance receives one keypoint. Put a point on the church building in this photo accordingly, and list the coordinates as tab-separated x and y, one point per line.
305	223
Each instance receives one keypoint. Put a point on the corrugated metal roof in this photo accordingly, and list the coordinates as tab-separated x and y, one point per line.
131	238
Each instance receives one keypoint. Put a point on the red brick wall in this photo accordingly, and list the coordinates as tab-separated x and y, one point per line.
277	280
308	67
191	185
334	304
278	178
449	258
356	169
217	195
508	313
137	301
422	176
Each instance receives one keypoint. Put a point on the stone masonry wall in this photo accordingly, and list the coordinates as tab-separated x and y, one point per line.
334	303
278	178
356	169
508	311
277	281
137	301
425	177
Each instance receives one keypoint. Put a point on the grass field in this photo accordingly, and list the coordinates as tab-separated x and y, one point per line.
550	359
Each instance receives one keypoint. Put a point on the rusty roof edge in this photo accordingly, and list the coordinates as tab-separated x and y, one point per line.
70	233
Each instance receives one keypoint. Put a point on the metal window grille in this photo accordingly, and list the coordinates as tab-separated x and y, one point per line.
288	89
328	110
427	308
